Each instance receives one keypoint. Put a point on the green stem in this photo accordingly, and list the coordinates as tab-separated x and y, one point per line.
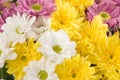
1	72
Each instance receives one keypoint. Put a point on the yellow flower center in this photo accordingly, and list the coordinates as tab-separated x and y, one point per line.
57	48
104	15
36	7
43	75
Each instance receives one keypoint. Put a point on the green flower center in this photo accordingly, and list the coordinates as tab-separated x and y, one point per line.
0	52
36	7
18	31
43	75
57	48
104	15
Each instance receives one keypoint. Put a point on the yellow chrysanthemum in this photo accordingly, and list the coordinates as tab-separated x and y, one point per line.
110	74
93	34
66	18
109	53
76	68
108	59
26	52
80	5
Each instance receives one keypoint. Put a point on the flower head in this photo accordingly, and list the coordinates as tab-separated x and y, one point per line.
36	7
26	52
108	54
92	34
108	11
6	53
18	25
57	45
76	68
40	70
67	21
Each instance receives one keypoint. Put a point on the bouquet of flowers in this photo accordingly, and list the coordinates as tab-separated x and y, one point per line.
59	39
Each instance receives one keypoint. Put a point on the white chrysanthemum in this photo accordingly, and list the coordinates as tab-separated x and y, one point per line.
18	26
57	45
6	53
40	70
41	25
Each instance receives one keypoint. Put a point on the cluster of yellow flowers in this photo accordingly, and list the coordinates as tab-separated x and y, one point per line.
98	55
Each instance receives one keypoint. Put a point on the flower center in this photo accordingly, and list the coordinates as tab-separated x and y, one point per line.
104	15
57	48
36	7
73	75
23	58
43	75
0	52
18	31
111	56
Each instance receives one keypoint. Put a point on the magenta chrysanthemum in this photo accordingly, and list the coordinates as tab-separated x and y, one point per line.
36	7
7	12
108	11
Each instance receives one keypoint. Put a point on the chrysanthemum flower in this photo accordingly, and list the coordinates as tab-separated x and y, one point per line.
36	7
76	68
57	45
40	70
6	53
108	54
108	58
92	35
67	21
110	74
108	11
18	26
26	52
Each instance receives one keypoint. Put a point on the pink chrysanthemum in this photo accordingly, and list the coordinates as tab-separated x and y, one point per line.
117	1
1	1
36	7
7	12
108	11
